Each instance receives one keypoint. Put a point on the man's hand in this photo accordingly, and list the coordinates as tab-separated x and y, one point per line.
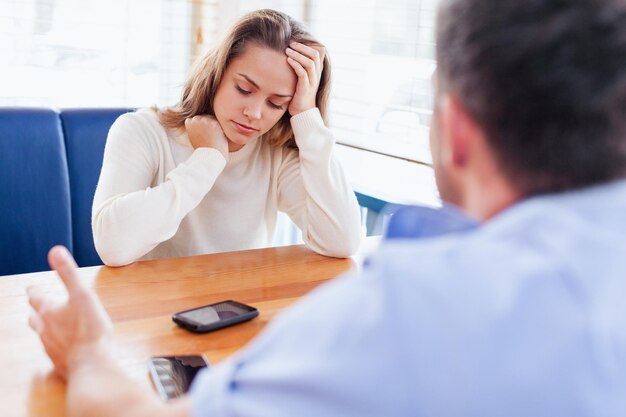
308	63
205	131
72	331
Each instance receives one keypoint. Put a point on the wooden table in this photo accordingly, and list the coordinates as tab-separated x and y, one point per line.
141	299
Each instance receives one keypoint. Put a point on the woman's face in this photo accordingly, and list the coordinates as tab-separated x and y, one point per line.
253	94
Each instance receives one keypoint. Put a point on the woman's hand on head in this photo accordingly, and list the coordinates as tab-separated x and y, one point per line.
73	331
204	131
308	63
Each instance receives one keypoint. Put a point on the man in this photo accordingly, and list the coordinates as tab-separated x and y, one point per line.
522	316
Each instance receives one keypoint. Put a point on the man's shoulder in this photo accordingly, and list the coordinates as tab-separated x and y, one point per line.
520	244
447	263
538	243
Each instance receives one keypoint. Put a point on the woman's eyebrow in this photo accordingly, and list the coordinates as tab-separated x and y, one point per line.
257	86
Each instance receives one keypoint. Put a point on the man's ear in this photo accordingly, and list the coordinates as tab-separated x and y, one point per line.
461	130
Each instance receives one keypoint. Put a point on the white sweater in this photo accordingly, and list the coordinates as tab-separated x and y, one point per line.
157	197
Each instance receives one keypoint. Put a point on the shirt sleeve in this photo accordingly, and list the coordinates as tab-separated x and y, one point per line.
314	192
129	216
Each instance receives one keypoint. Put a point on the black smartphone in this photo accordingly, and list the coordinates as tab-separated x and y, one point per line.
172	375
214	316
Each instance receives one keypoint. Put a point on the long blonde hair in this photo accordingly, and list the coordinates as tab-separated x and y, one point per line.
267	28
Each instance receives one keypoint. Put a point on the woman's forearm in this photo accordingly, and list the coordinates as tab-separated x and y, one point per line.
127	226
328	214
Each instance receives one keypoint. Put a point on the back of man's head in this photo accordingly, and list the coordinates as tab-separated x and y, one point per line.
546	81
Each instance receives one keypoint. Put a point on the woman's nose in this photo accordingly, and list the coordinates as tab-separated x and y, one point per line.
253	110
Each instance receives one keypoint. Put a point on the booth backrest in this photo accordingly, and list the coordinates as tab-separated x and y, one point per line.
85	132
34	189
49	166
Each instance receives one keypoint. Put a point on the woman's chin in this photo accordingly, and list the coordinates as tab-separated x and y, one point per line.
235	145
239	142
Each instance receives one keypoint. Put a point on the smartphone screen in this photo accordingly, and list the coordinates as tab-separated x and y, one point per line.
172	375
215	316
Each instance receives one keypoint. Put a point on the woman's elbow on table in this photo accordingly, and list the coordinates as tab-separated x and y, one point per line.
350	247
112	257
343	246
111	250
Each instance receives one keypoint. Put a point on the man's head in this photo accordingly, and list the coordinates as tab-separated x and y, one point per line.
542	83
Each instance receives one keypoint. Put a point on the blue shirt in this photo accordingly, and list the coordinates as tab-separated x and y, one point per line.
522	316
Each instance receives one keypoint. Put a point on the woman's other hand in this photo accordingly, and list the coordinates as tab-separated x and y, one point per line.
205	132
308	63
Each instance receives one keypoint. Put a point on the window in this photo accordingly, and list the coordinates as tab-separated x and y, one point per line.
383	56
65	53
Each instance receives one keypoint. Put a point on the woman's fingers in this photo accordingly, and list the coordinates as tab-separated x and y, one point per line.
307	62
321	51
300	71
313	52
205	131
304	61
310	57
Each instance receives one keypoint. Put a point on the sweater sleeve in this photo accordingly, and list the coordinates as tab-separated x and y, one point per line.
129	216
314	192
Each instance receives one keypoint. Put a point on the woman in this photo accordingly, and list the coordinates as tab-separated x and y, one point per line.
247	139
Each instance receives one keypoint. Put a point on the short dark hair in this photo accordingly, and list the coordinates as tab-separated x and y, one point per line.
546	80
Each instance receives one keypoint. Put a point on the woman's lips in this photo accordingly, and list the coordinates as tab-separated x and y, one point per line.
244	129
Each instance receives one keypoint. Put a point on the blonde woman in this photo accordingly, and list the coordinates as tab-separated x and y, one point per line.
246	140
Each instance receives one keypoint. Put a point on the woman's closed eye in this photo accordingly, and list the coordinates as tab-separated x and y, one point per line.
242	91
245	92
275	106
